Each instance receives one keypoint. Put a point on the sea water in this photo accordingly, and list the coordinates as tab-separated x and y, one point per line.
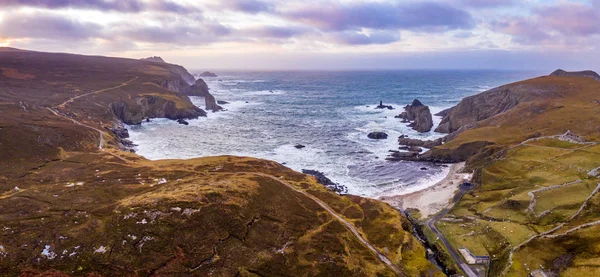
330	113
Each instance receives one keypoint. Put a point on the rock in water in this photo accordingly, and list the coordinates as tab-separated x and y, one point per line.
382	106
208	74
211	103
182	121
221	102
341	189
299	146
377	135
419	116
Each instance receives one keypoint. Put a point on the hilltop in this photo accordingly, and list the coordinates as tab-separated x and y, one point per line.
72	202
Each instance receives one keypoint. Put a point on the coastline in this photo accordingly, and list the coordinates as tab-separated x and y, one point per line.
432	199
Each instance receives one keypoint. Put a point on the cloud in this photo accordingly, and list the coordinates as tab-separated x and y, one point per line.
47	26
126	6
570	18
560	23
488	3
178	33
354	38
280	32
246	6
381	15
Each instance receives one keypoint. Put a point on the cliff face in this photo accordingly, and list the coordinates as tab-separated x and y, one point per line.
478	107
584	73
150	106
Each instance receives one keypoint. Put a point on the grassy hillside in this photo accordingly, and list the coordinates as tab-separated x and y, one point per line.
536	204
72	203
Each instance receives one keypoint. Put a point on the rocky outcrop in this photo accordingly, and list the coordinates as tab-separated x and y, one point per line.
323	180
382	106
459	154
208	74
377	135
478	107
150	106
155	59
211	103
584	73
122	137
418	115
199	88
444	112
403	140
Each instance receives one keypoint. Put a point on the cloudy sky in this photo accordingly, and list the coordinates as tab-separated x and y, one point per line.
315	34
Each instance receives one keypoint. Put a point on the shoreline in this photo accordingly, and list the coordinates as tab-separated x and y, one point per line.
432	199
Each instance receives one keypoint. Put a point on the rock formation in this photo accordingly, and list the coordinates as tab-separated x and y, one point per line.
199	88
155	59
377	135
208	74
403	140
150	106
382	106
211	103
323	180
444	112
478	107
418	115
584	73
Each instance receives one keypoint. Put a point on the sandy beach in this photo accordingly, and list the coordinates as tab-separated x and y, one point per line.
432	199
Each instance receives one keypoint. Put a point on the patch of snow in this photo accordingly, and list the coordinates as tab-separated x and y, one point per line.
176	209
143	241
133	237
79	184
17	188
189	211
130	215
48	252
143	221
101	249
3	251
70	185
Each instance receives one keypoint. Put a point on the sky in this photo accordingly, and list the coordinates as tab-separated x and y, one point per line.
315	34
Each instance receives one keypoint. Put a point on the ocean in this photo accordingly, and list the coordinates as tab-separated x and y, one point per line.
330	112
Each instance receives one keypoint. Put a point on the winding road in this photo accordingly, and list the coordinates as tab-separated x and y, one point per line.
348	225
94	92
431	224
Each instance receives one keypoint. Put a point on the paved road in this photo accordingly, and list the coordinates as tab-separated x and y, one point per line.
349	226
431	224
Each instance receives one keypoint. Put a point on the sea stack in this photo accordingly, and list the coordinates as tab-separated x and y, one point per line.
211	103
418	115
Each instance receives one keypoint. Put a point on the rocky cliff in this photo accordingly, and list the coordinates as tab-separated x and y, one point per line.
478	107
151	106
584	73
418	115
199	88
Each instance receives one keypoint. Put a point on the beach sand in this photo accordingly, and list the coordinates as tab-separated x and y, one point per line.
432	199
